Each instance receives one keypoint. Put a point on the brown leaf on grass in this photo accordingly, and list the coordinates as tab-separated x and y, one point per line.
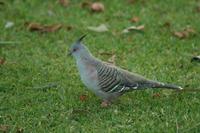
83	98
135	19
156	95
64	3
33	26
97	7
112	59
52	28
42	28
133	28
187	32
2	61
181	35
4	128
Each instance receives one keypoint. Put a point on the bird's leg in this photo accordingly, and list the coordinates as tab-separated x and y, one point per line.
105	103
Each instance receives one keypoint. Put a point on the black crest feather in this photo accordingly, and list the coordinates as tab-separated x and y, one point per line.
81	38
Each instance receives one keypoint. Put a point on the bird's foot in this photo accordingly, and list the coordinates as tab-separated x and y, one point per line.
105	104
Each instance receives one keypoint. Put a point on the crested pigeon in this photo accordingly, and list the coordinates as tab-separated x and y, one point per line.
106	80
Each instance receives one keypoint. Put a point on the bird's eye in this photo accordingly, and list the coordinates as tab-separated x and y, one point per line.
74	50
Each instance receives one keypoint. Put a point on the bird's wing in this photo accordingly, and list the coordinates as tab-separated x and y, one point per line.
135	81
139	82
112	79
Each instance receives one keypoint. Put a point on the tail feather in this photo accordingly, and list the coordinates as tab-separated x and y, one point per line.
167	86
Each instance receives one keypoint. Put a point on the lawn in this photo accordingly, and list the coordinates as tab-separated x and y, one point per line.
40	88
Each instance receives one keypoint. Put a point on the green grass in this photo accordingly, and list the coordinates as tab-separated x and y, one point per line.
40	59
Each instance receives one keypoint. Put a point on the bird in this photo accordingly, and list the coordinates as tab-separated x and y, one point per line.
106	80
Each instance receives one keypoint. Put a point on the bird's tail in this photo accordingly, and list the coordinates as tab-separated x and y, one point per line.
167	86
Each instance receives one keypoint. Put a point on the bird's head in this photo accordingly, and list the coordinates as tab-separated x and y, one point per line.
78	49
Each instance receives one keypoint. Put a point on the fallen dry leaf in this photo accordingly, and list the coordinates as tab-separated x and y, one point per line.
2	61
196	58
156	95
135	19
112	59
4	128
181	34
133	28
97	7
41	28
187	32
34	26
83	98
52	28
100	28
64	3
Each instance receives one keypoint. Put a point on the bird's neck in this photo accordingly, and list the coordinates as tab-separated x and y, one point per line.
86	56
84	61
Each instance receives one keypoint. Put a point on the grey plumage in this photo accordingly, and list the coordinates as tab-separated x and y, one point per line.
106	80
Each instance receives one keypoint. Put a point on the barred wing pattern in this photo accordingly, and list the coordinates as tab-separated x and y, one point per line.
112	79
